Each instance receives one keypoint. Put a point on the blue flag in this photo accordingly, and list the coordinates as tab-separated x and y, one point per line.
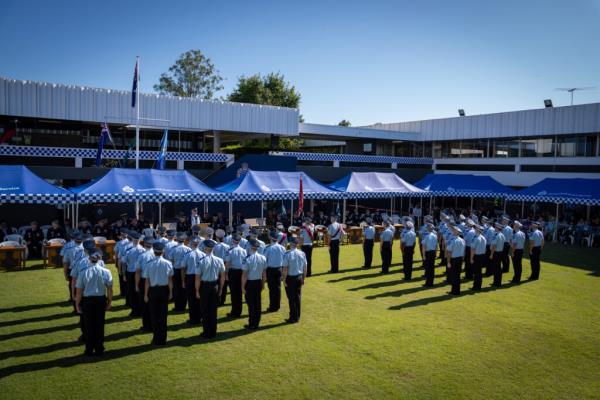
135	85
283	210
162	151
104	135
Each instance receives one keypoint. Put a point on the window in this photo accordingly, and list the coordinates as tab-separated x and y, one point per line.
473	149
504	148
450	149
537	147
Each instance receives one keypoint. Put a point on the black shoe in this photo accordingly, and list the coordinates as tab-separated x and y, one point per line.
475	289
291	321
81	339
515	281
252	328
231	315
426	285
88	353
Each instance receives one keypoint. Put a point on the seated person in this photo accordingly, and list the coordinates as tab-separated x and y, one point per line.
34	237
56	231
101	228
85	227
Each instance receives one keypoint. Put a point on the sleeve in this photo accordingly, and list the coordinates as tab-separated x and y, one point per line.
170	273
79	284
108	280
285	260
304	260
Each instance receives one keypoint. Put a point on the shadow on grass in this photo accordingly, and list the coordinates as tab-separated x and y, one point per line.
128	351
371	274
444	297
31	307
405	291
377	285
42	318
584	258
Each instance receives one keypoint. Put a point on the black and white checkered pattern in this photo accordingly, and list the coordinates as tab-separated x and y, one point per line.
555	199
382	195
285	196
466	193
40	198
72	152
150	198
357	158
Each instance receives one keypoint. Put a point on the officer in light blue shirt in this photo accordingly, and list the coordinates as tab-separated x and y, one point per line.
161	233
177	254
469	233
478	251
254	236
253	279
120	247
228	238
274	254
456	253
294	274
496	254
385	242
508	233
140	282
129	263
407	247
158	292
221	250
170	244
210	278
190	262
93	298
368	242
516	249
233	263
536	244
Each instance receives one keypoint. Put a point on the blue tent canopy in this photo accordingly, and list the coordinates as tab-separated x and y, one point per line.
463	185
276	185
362	185
122	185
555	190
19	185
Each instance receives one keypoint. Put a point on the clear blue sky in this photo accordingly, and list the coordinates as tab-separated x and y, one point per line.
366	61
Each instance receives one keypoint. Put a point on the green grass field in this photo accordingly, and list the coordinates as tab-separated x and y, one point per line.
362	335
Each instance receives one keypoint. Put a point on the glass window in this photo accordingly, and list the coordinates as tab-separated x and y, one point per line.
504	148
537	147
570	146
473	149
450	149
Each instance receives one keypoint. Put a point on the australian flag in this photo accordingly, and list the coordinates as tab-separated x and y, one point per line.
135	85
104	135
162	151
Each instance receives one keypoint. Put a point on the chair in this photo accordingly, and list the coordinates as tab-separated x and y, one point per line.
21	231
15	238
45	228
11	243
57	241
99	239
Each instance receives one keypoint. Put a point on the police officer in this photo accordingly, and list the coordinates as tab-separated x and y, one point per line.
496	254
421	235
121	248
507	232
55	231
477	255
469	234
489	233
407	247
140	283
67	254
385	247
429	246
274	254
210	278
442	231
176	256
101	229
368	242
158	291
254	276
228	238
516	251
294	273
161	234
81	262
220	250
34	237
307	235
536	245
93	299
456	254
335	232
281	235
233	264
190	263
129	262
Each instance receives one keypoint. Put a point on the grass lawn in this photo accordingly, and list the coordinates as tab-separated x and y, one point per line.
362	335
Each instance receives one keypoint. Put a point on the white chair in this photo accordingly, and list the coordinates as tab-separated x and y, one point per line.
57	241
45	228
21	231
15	238
99	239
11	243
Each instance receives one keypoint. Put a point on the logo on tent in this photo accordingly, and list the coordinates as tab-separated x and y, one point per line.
128	189
542	193
265	188
451	189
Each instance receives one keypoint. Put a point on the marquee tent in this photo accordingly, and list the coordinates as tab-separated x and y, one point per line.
556	190
459	185
362	185
19	185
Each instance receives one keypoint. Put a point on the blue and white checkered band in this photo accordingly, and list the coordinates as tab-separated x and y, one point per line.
151	198
460	193
284	196
72	152
356	158
383	195
36	198
555	199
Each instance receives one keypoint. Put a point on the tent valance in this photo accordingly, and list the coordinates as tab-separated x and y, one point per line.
19	185
556	190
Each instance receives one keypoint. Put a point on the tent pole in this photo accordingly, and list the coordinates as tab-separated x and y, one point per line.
230	213
356	206
588	213
205	206
505	205
391	206
522	209
556	224
421	207
312	205
430	204
344	212
291	210
159	213
77	213
262	209
401	208
471	204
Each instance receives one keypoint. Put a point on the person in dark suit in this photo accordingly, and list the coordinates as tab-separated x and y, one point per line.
56	231
34	237
101	229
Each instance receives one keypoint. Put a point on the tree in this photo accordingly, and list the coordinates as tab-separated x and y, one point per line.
344	123
270	90
192	75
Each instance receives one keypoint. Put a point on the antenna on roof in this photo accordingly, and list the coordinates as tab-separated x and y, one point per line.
573	89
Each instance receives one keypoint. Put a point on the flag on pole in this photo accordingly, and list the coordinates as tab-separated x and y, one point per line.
7	135
300	200
135	85
337	209
162	151
104	135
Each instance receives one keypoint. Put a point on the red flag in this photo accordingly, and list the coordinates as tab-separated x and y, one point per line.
8	134
300	200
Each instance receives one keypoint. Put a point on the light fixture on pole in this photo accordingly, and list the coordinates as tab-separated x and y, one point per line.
548	103
461	112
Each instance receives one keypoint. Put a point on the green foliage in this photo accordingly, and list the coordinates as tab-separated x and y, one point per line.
270	90
192	75
344	123
362	335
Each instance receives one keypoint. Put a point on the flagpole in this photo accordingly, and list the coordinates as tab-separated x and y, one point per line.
137	123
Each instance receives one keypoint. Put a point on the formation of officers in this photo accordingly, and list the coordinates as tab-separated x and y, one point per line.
195	273
485	248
